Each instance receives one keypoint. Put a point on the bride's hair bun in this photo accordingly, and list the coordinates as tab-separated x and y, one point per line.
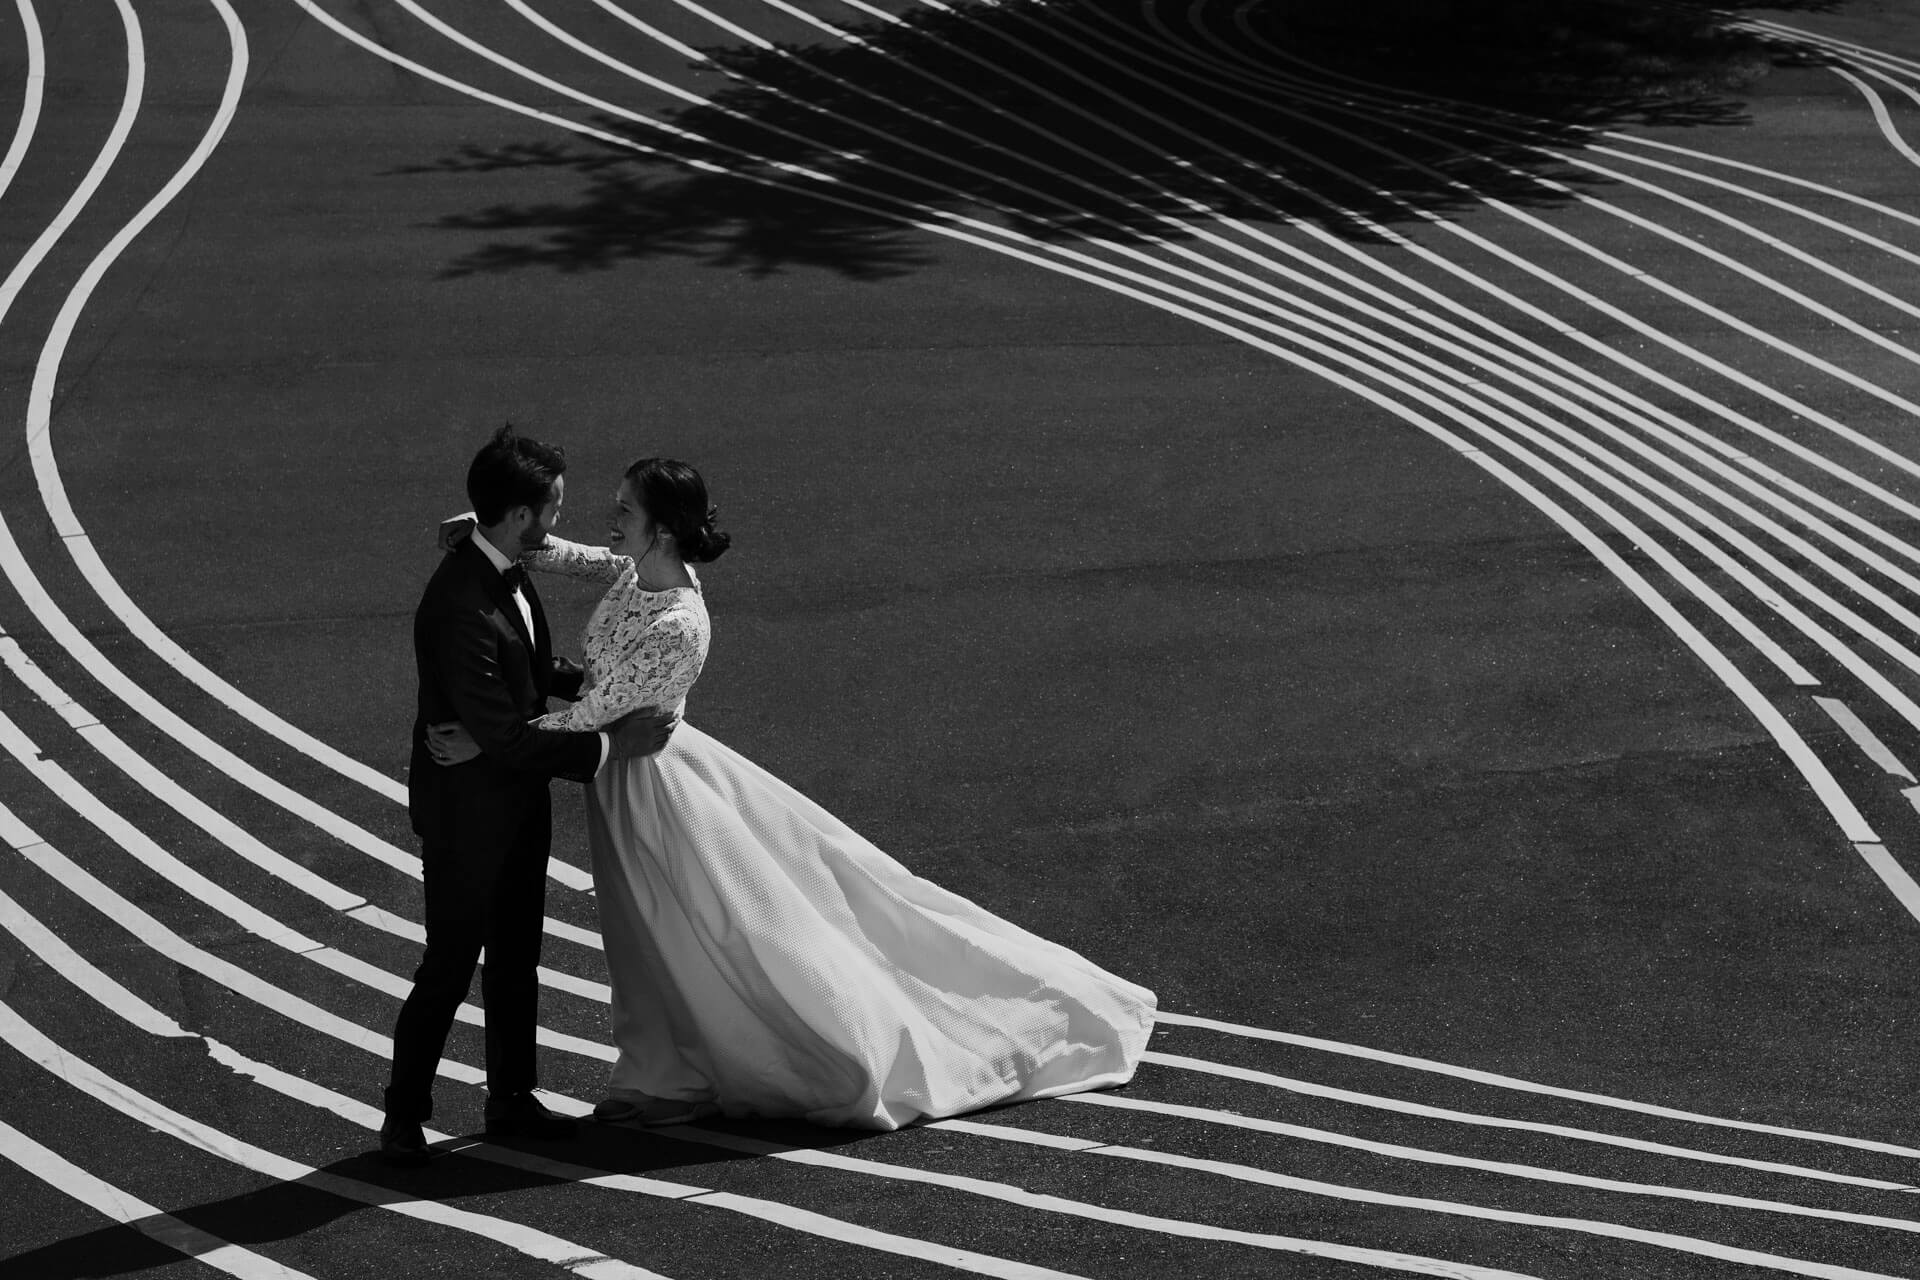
675	497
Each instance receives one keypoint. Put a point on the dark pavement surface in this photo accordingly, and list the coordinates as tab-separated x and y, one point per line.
1154	644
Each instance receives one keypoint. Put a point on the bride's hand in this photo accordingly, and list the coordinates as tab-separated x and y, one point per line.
450	743
454	529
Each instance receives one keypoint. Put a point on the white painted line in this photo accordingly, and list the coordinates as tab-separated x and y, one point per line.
1010	1194
1478	1077
1880	114
217	897
66	522
221	828
1425	1111
123	1002
1507	1168
82	1075
33	94
1864	738
1893	875
111	1202
1827	790
1879	493
204	816
1587	1226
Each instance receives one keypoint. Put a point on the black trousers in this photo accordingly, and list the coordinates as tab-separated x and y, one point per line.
493	898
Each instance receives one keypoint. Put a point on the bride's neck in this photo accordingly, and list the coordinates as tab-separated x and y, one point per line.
661	568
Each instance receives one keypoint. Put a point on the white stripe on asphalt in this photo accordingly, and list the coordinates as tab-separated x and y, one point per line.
1824	786
209	894
1879	107
1483	1077
1429	1112
1006	1193
90	1080
1864	738
1892	874
217	825
90	979
110	1201
1507	1168
1586	1226
33	94
159	938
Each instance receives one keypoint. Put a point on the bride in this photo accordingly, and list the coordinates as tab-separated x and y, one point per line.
765	960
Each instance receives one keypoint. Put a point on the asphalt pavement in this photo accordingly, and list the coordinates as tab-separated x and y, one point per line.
1167	647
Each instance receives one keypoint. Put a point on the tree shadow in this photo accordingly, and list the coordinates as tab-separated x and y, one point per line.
1110	119
288	1210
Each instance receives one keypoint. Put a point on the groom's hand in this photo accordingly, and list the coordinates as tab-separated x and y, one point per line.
639	733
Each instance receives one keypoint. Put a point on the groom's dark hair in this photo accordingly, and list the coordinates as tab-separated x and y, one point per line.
512	471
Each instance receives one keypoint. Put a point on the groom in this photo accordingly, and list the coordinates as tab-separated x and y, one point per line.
484	658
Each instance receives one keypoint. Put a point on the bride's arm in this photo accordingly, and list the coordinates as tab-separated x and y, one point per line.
578	560
657	670
558	556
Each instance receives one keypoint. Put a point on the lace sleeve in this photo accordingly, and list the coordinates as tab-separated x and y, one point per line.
578	560
656	669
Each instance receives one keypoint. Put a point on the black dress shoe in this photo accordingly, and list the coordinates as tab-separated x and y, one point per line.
402	1143
521	1115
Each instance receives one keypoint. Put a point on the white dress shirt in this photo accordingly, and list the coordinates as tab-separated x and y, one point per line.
501	564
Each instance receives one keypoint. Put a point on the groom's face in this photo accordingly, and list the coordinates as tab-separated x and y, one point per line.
534	536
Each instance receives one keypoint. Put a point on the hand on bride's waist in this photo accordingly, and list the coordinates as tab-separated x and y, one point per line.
638	733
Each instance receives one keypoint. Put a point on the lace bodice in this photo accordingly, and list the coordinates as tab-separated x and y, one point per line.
642	648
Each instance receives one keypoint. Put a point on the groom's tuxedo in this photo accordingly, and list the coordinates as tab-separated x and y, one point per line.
485	825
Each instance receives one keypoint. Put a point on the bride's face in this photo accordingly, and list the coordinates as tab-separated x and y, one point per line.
631	531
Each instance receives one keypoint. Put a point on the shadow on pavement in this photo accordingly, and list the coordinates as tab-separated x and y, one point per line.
1066	118
291	1210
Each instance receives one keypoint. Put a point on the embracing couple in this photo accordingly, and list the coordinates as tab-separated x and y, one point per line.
764	959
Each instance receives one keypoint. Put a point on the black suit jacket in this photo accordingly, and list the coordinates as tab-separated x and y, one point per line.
478	665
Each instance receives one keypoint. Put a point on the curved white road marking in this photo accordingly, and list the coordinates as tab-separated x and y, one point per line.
230	834
159	937
165	941
1854	479
1425	1111
1759	640
1879	106
204	890
1864	738
406	862
118	999
33	94
1507	1168
1310	1186
84	1076
110	1201
1478	1076
1245	1173
73	534
1884	452
266	927
1826	789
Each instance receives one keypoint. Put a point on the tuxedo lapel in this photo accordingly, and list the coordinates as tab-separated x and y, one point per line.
542	647
496	589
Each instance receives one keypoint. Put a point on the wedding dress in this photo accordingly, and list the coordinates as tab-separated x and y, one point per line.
766	958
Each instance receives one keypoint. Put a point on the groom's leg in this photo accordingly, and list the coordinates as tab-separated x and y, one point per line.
456	930
509	980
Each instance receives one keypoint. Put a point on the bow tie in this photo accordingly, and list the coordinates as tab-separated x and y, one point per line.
515	576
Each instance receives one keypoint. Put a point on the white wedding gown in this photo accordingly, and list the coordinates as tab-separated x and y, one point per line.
764	957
